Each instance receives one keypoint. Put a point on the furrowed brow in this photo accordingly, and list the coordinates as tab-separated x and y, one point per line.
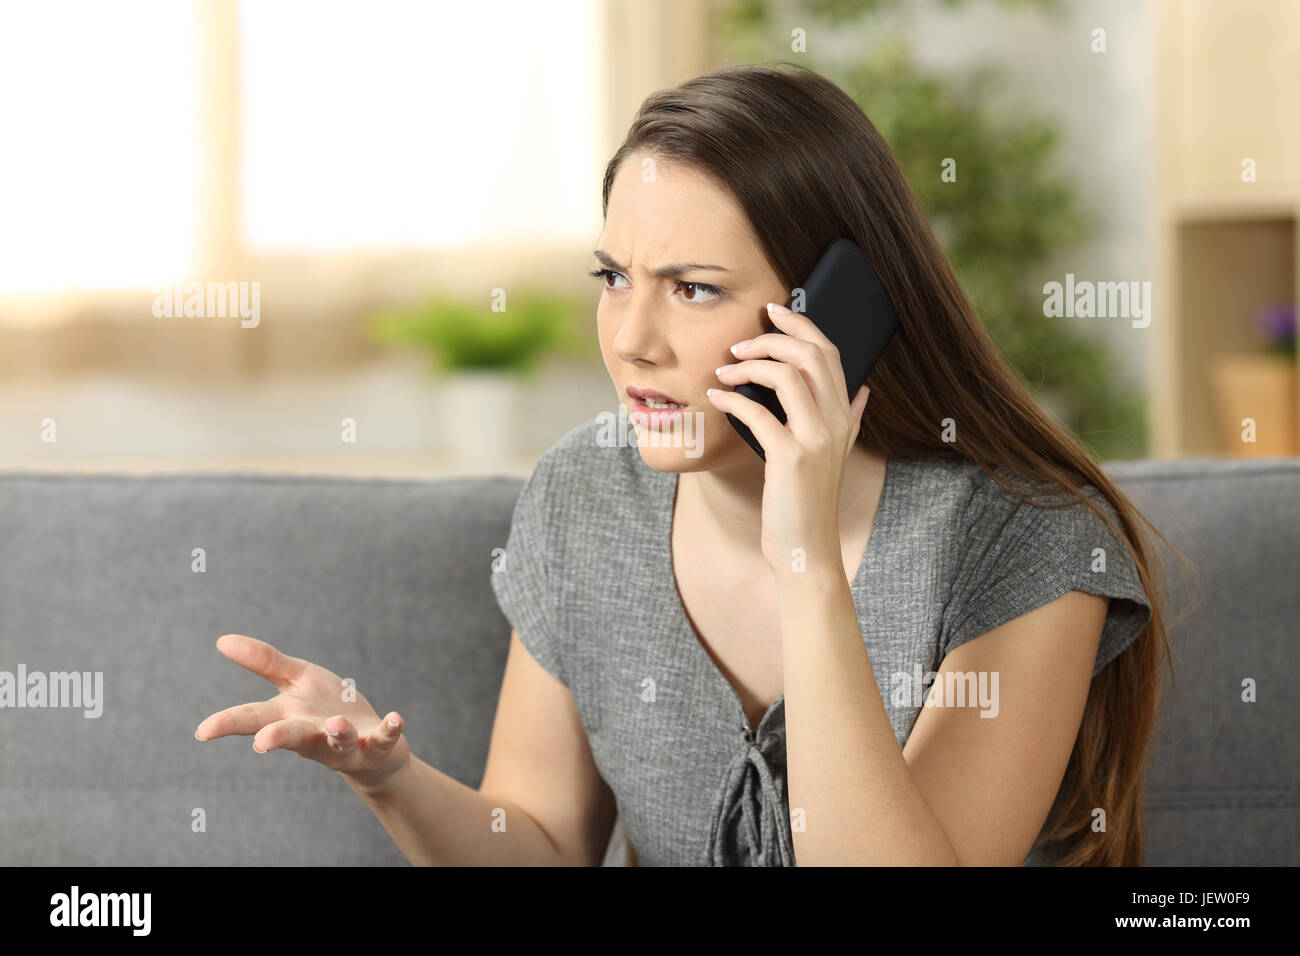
669	271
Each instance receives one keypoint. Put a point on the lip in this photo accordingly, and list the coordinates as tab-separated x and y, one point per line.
639	394
647	417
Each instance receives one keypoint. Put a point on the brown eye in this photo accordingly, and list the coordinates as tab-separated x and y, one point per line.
711	292
604	275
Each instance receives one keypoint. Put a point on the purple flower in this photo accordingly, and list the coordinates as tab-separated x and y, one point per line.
1277	323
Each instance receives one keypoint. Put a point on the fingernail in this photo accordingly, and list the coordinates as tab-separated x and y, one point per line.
710	391
774	308
722	368
332	733
197	737
392	724
256	750
739	345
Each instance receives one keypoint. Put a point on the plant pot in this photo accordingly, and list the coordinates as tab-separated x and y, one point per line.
477	411
1263	388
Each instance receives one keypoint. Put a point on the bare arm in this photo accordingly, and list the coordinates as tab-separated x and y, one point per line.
540	760
540	781
436	820
964	790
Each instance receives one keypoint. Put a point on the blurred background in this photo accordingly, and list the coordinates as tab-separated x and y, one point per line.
305	236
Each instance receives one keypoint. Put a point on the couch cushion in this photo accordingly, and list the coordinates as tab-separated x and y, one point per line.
386	582
1223	785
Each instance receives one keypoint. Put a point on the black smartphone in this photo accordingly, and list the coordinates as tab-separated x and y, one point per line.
844	298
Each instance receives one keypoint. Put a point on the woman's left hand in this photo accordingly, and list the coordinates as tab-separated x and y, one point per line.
805	457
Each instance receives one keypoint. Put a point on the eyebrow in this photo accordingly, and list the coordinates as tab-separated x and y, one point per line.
668	271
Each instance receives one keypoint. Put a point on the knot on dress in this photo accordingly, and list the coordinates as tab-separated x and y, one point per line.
749	818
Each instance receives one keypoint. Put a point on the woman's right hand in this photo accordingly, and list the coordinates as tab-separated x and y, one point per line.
310	716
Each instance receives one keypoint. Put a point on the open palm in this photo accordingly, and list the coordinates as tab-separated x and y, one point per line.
310	715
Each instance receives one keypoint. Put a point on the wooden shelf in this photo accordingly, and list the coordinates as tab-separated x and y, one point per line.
1228	87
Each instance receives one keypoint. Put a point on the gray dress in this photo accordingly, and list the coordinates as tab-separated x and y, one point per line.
587	582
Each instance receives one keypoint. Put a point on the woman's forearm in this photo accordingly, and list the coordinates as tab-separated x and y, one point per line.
436	820
845	771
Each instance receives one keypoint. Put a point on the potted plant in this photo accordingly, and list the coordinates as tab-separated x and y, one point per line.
1261	386
480	353
1004	222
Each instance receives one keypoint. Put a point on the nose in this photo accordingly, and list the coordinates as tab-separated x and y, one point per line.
639	336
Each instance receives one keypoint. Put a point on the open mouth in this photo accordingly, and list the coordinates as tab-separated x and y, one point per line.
658	403
651	398
654	412
652	408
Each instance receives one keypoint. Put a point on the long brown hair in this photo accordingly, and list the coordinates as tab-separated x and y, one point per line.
807	166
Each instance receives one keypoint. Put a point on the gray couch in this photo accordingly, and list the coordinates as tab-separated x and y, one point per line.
388	582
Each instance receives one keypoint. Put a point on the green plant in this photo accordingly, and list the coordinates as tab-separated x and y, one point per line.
460	334
1006	215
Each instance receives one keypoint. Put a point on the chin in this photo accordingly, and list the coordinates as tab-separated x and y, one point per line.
684	446
671	459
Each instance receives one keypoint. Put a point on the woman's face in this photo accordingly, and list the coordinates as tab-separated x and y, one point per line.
685	279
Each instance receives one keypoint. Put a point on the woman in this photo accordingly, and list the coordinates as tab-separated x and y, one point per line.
733	652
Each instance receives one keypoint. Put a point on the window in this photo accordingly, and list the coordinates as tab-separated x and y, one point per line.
96	171
361	127
415	124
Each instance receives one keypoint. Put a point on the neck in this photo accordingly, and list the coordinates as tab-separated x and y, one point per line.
730	498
